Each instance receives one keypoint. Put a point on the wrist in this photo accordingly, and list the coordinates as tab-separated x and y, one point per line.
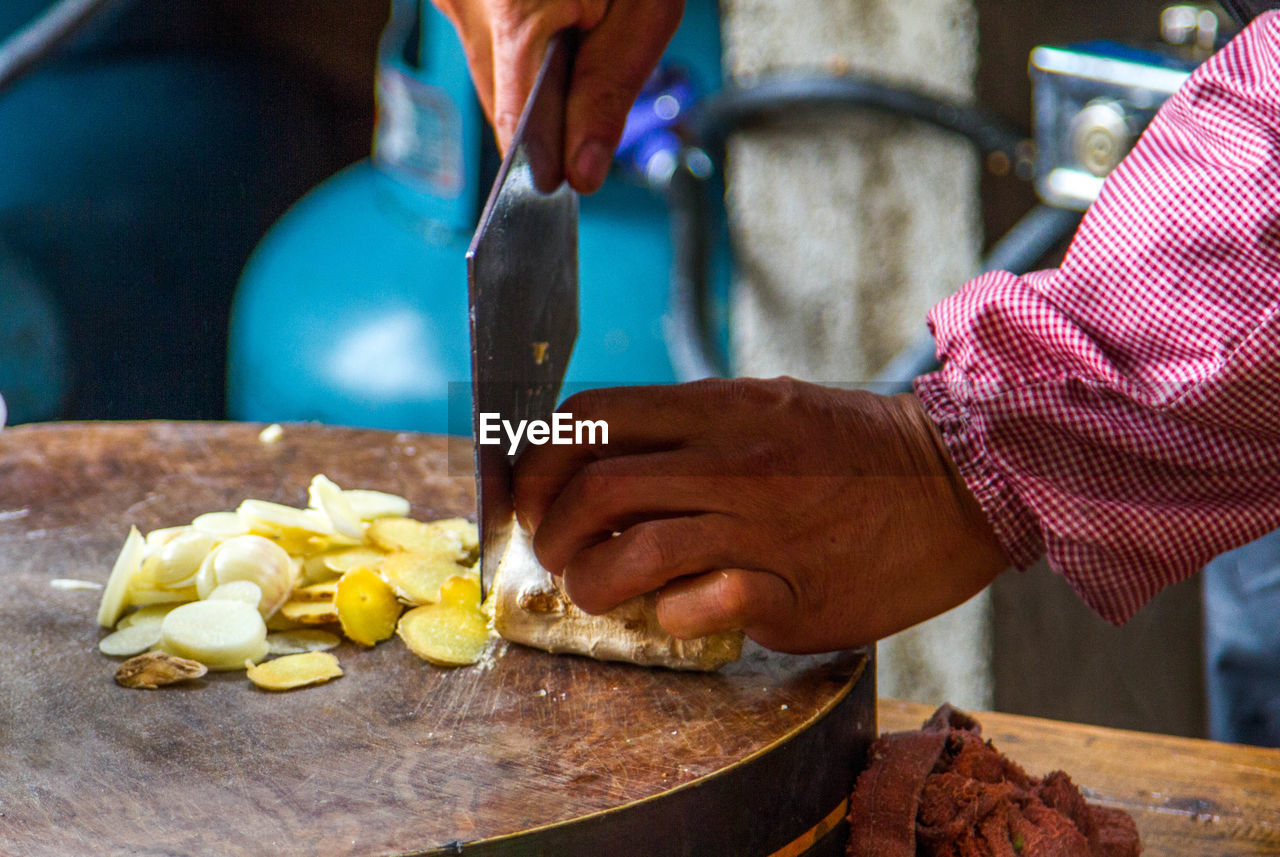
930	449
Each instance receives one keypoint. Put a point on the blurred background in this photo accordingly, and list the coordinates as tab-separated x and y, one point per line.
213	209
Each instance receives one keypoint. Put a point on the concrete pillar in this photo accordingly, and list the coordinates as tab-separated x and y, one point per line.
847	228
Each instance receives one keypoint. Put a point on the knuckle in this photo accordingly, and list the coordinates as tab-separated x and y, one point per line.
647	552
761	458
600	488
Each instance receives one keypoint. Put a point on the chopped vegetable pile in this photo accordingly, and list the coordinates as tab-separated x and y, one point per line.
233	589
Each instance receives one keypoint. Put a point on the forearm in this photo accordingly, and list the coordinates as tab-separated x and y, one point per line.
1117	414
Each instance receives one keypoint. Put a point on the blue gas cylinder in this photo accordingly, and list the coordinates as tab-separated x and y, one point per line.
139	166
353	309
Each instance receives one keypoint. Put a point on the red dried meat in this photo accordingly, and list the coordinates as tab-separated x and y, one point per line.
942	791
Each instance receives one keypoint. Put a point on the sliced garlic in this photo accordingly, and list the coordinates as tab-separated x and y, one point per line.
221	525
116	594
176	564
370	505
329	498
252	558
244	591
219	634
130	641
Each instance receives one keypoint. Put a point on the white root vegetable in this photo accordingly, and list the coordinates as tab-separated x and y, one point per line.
251	558
371	505
157	539
265	517
300	641
328	497
150	615
175	565
221	525
244	591
131	640
219	634
529	608
115	597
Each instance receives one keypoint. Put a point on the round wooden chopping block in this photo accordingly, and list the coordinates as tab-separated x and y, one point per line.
525	754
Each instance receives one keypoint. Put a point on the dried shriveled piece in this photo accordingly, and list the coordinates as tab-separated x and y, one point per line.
293	671
529	608
157	669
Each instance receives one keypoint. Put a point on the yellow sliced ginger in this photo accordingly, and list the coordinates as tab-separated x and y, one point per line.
330	564
417	577
309	612
406	534
293	671
367	607
468	536
452	632
316	592
461	591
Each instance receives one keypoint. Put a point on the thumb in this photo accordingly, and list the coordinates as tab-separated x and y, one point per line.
614	61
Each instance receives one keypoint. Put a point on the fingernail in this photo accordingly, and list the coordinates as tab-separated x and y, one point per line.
591	164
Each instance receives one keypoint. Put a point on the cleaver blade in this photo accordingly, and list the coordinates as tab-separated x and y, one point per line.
522	283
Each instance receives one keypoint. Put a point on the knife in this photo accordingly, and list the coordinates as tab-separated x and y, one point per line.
522	278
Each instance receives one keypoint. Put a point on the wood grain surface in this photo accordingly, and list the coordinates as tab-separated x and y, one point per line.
396	757
1190	798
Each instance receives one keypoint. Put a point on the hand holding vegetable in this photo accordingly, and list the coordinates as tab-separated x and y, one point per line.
810	517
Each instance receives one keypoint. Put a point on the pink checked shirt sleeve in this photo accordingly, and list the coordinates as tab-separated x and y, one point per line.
1121	414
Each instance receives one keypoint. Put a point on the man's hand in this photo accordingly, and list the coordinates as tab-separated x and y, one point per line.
812	518
506	40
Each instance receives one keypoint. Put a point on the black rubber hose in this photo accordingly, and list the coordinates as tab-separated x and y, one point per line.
707	129
1029	241
686	328
31	45
734	108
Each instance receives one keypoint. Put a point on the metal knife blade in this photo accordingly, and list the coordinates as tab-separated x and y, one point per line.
522	273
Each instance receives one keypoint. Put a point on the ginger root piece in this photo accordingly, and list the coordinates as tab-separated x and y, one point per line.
529	608
157	669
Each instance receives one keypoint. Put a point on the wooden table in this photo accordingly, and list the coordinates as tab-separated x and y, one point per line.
526	753
1190	798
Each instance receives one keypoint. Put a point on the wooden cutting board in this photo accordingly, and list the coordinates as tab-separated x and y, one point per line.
528	754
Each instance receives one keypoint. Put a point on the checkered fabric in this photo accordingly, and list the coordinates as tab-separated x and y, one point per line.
1121	414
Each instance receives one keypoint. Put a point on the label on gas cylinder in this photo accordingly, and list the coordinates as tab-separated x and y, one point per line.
419	133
